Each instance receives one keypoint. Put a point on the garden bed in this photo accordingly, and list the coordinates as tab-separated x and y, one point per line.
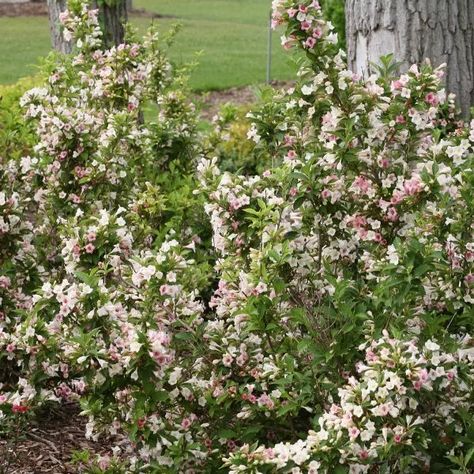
23	9
49	444
41	9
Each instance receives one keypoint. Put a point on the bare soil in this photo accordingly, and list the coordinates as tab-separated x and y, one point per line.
41	9
211	102
23	9
47	446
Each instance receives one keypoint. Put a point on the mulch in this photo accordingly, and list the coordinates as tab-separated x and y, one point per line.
41	9
211	102
23	9
47	446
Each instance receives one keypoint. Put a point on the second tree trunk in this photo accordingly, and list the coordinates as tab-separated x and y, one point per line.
441	30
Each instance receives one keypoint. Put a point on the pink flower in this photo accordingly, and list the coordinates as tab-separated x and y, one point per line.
277	20
397	197
134	50
423	376
378	237
269	453
89	248
104	462
358	221
186	423
265	400
362	184
305	25
292	12
309	43
91	236
432	99
363	454
392	214
412	186
227	360
64	16
469	279
371	356
325	194
317	33
289	42
5	282
76	250
354	432
396	85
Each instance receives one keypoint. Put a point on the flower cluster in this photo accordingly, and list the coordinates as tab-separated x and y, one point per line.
306	26
403	395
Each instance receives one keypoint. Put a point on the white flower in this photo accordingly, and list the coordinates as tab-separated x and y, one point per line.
392	255
175	376
431	346
307	90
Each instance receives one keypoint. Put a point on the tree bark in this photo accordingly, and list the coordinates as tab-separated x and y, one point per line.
55	7
414	30
112	20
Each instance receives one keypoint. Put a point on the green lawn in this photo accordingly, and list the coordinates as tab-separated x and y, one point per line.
231	34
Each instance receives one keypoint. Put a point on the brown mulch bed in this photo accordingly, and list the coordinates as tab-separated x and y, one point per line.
47	446
23	9
41	9
212	101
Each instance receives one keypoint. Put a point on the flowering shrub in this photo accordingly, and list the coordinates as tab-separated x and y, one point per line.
404	399
100	192
356	236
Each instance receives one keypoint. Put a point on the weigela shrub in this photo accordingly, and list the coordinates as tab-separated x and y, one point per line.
355	242
363	222
403	398
91	215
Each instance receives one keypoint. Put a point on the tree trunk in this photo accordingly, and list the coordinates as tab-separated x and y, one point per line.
413	30
112	20
55	7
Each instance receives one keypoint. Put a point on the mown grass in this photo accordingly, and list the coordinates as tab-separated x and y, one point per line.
231	36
